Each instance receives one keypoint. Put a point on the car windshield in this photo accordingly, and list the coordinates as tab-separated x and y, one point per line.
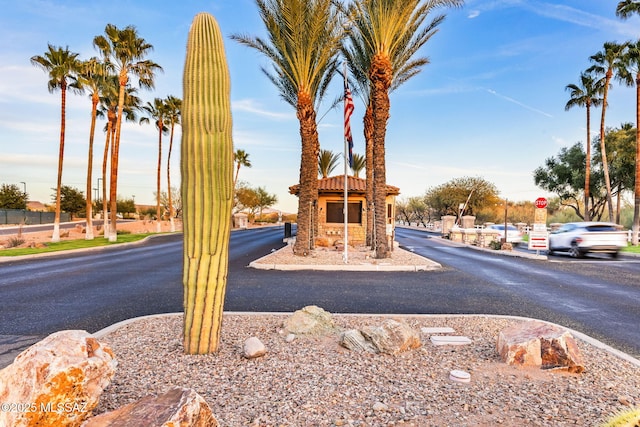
601	227
501	227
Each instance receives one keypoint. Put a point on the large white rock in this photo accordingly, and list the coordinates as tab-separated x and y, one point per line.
254	348
392	337
310	320
177	407
535	343
57	381
355	341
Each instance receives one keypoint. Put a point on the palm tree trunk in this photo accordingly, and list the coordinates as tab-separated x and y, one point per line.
105	161
368	138
636	204
618	197
89	209
380	76
308	196
587	172
159	219
235	179
113	182
603	148
172	226
63	104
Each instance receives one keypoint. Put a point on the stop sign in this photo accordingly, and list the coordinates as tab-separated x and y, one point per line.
541	203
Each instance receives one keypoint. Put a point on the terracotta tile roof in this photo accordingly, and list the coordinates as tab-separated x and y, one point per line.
335	184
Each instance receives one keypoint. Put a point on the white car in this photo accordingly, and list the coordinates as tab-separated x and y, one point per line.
580	238
513	234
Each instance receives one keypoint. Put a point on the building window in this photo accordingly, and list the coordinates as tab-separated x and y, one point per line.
335	212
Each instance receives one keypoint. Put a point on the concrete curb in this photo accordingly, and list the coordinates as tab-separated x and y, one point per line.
431	265
589	340
513	253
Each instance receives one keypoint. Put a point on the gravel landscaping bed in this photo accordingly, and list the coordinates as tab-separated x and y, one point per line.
312	381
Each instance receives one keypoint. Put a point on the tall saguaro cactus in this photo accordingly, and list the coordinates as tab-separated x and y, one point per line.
207	184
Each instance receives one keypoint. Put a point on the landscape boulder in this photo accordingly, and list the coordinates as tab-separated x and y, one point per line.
57	381
177	407
253	348
536	343
310	320
355	341
392	337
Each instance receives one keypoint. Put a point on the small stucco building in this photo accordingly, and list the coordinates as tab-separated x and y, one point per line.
331	208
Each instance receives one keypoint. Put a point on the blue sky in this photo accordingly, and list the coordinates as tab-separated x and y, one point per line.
490	103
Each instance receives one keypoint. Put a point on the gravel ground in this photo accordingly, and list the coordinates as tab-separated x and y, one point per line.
333	258
312	381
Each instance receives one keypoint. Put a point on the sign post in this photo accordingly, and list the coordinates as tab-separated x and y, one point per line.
539	237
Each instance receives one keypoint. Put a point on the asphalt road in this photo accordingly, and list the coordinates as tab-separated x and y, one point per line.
92	290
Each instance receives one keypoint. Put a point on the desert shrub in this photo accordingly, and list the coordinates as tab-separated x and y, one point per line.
496	245
14	242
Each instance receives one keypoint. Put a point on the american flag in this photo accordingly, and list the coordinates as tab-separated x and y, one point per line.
348	110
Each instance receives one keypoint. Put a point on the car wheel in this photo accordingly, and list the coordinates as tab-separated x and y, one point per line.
551	250
614	255
574	251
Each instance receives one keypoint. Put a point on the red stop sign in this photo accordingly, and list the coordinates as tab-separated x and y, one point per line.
541	203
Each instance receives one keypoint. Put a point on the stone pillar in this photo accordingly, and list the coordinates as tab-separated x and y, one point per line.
447	224
468	221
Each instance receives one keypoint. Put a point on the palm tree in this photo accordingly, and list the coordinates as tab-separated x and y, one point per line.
607	63
358	57
62	67
359	163
157	112
587	95
126	51
303	45
631	77
241	158
385	35
626	8
327	162
92	77
174	108
109	108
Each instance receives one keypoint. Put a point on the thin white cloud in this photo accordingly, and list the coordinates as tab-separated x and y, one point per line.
578	17
514	101
443	90
244	138
562	13
250	106
28	159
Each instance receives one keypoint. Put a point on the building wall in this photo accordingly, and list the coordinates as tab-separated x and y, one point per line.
334	232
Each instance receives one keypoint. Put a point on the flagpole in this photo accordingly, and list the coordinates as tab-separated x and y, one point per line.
346	181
